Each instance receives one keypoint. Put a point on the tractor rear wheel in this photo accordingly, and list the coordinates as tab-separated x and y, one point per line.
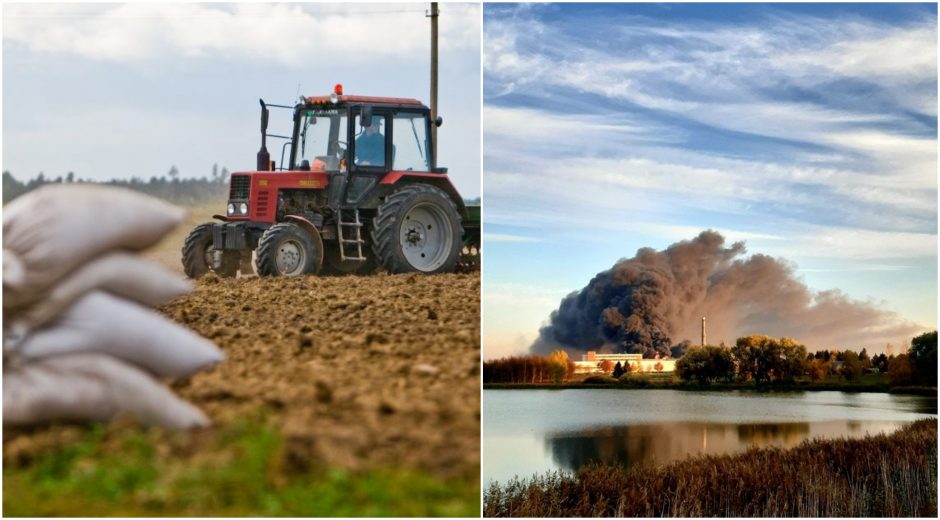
417	229
286	249
333	265
200	257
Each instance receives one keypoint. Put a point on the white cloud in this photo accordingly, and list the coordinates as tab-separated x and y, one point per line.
862	244
895	56
504	237
292	34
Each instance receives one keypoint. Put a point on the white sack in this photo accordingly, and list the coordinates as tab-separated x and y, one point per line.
106	324
91	387
121	274
50	231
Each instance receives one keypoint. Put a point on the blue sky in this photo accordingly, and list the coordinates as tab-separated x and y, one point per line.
120	90
809	131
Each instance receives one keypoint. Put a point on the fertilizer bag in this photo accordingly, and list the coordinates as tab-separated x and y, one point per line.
106	324
54	229
120	274
91	387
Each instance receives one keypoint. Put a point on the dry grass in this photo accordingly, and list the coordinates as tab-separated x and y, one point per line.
885	475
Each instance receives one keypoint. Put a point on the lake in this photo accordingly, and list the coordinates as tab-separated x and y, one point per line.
534	431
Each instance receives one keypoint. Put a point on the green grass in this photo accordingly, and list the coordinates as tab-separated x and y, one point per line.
242	470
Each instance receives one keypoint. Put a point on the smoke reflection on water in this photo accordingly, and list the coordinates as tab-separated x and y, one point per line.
660	443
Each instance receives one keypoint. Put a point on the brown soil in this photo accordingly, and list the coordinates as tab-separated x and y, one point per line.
357	372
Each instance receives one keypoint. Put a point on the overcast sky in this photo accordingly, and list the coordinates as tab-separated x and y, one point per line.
121	90
809	131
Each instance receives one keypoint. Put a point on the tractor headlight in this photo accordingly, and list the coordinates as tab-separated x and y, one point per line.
243	208
231	208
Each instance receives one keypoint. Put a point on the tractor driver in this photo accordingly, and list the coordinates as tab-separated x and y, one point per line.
370	145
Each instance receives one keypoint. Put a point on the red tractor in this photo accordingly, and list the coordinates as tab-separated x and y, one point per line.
357	187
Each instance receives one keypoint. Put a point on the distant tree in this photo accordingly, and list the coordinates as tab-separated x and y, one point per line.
880	362
923	358
606	366
12	188
618	370
558	366
864	359
900	372
705	364
765	359
70	177
851	368
818	369
174	173
792	360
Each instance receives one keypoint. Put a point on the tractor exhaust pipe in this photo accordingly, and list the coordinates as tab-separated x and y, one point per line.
264	158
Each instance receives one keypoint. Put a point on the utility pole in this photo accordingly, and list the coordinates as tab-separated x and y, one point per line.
433	16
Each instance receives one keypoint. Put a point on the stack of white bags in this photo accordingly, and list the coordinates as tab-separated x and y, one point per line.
79	339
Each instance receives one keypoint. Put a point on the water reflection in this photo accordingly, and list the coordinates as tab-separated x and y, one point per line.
533	431
659	443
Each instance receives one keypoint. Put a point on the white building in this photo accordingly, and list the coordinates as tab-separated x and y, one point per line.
591	360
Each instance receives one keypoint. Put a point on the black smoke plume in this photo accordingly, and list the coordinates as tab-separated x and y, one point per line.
656	299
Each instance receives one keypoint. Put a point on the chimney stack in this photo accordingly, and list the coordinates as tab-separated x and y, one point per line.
703	331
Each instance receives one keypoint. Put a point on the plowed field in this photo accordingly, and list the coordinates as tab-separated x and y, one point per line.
361	371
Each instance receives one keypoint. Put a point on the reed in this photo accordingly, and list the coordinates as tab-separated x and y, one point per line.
883	475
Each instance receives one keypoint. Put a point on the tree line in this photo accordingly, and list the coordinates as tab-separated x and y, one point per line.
554	368
169	187
762	359
768	360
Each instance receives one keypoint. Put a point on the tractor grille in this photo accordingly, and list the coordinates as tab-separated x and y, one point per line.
262	204
238	187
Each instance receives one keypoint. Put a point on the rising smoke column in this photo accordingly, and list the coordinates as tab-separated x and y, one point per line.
646	303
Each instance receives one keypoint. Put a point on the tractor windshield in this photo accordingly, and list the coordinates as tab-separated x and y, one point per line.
323	138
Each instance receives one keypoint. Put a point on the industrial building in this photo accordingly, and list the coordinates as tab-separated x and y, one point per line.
591	360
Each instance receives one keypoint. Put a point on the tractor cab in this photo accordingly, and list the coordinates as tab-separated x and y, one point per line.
357	186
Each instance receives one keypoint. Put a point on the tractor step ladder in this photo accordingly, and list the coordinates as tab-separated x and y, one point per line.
344	242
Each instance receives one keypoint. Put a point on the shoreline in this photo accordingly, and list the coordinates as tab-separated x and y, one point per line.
721	387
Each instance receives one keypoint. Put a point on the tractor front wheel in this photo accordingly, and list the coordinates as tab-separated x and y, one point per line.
286	249
200	257
417	229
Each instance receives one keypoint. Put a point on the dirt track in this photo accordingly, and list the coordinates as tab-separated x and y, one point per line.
358	372
363	371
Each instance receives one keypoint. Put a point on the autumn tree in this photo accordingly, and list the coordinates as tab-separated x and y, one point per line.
606	366
766	359
851	368
900	371
558	365
818	369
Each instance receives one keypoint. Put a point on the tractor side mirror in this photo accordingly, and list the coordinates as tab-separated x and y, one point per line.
438	121
366	116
